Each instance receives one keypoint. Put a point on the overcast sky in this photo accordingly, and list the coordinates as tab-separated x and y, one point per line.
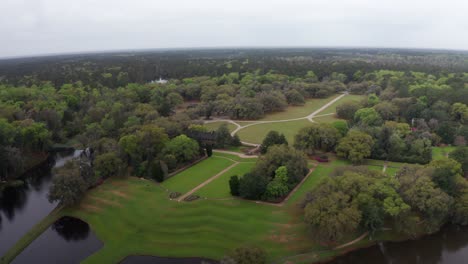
29	27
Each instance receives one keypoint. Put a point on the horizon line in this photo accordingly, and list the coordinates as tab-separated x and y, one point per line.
140	50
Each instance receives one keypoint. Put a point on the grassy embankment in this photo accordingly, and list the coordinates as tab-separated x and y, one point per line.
133	216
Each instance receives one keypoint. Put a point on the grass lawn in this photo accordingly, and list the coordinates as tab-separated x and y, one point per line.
309	107
441	152
134	217
215	125
347	98
327	119
219	188
256	133
193	176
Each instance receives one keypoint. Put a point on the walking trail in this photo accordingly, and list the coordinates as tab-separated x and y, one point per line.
207	182
309	117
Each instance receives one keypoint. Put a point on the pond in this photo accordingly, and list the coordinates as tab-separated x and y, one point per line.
162	260
449	246
68	240
22	207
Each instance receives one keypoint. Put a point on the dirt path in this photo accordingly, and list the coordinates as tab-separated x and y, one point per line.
311	116
353	242
240	155
253	123
206	182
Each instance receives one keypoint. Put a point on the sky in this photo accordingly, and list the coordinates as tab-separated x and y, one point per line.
36	27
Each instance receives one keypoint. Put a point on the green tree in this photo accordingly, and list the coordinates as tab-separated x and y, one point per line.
355	146
317	137
68	187
460	154
347	110
282	155
223	136
367	117
182	148
278	187
151	141
234	185
246	255
107	165
446	173
333	216
157	171
272	138
252	186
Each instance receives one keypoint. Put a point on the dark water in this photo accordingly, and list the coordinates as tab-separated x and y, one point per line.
160	260
69	240
22	207
449	246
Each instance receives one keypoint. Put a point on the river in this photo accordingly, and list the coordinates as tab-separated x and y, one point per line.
449	246
22	207
70	240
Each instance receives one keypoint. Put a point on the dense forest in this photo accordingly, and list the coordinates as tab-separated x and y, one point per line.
413	101
119	68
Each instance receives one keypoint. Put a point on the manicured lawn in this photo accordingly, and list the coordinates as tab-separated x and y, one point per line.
441	152
134	217
327	119
215	125
193	176
256	133
347	98
219	188
310	106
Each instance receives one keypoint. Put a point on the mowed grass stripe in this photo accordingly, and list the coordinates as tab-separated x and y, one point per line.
219	188
195	175
152	224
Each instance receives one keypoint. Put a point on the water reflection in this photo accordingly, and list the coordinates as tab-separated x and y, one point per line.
71	229
23	206
68	240
162	260
448	246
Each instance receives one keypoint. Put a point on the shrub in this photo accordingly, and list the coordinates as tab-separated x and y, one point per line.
234	185
191	197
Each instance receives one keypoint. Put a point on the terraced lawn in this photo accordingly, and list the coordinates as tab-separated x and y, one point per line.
140	220
133	216
219	188
256	133
197	174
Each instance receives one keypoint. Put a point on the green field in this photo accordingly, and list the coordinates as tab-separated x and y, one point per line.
215	125
256	133
134	217
197	174
347	98
309	107
441	152
219	188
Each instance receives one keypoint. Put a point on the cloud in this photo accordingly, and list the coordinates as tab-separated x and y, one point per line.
57	26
